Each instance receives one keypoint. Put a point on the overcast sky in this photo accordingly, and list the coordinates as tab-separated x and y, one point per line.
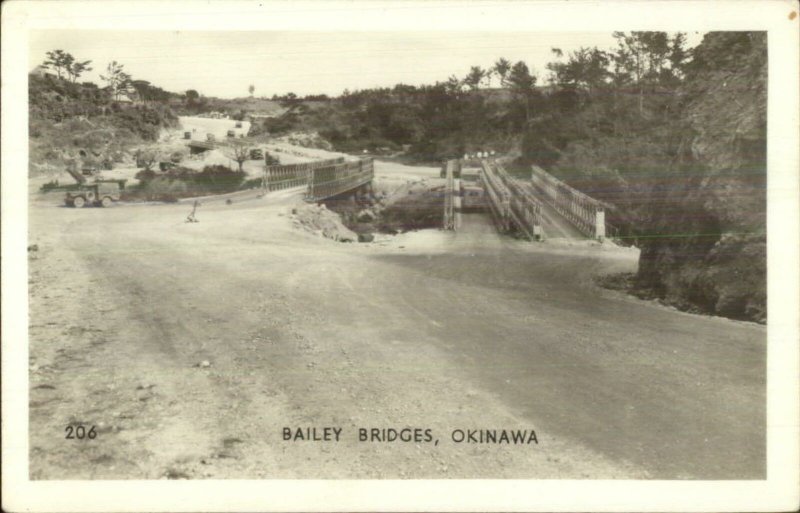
224	64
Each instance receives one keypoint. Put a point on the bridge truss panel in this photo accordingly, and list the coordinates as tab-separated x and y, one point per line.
585	212
295	175
512	206
332	180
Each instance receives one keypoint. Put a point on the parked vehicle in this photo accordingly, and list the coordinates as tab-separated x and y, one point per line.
101	193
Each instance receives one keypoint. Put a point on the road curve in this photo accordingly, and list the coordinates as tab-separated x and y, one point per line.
669	391
467	330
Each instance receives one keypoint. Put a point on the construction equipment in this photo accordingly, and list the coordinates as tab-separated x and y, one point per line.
99	193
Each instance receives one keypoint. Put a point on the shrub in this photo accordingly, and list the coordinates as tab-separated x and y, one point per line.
270	160
145	175
219	178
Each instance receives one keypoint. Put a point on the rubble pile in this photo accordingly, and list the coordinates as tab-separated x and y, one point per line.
317	219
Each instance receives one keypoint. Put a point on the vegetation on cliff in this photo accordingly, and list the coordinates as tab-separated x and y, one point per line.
682	158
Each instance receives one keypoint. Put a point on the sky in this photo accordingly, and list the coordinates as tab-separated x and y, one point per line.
225	63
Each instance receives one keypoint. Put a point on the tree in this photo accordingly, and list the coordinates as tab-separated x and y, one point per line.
146	159
453	85
238	152
678	55
291	102
648	59
474	77
77	69
251	90
502	67
586	68
142	88
522	84
118	81
192	97
59	61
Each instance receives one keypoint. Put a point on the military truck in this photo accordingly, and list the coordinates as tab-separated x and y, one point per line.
98	193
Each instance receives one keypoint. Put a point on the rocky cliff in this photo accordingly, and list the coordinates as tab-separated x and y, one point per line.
707	245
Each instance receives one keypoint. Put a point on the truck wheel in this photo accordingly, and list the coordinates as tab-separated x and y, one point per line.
106	201
79	201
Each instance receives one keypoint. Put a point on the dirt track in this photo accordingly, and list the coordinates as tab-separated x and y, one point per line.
431	330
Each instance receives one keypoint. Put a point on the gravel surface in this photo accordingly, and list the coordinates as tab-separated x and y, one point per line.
191	346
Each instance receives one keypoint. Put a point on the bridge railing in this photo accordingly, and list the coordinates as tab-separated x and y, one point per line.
295	175
331	180
585	212
512	205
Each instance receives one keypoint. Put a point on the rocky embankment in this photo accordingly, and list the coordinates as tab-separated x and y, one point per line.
391	209
712	256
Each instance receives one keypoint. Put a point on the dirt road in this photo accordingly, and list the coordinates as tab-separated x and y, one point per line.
190	347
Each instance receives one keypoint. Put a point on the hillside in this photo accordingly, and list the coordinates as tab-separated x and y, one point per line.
673	140
425	124
255	107
81	123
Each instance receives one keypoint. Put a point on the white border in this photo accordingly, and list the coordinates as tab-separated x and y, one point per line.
778	493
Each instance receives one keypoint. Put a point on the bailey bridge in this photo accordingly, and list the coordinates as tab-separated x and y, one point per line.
324	178
543	206
540	207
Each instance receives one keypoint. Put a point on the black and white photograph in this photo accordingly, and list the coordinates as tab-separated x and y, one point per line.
393	253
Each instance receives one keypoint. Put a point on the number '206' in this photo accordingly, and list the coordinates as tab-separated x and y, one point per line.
80	432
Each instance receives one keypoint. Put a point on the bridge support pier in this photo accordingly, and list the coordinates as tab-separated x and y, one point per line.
600	224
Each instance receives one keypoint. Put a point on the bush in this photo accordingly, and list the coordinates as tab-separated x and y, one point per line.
145	175
219	178
182	182
270	160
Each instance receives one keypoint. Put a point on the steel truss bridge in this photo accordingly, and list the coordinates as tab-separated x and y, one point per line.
522	206
323	179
